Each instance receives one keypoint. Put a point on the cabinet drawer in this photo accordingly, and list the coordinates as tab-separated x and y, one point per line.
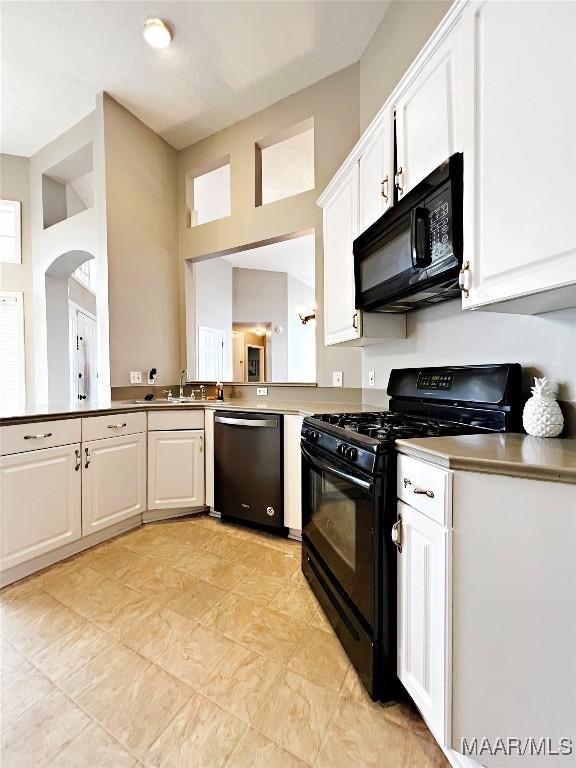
18	438
426	488
99	427
166	420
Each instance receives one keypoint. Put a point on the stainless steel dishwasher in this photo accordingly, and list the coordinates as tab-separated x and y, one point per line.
248	467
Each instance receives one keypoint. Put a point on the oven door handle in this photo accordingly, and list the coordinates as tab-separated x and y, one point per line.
338	472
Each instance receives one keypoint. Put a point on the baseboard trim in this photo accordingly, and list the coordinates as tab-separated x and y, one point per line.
159	515
20	571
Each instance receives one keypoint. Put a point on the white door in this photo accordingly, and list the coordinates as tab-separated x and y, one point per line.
176	469
520	192
113	481
341	321
238	361
83	355
376	174
423	617
426	118
39	502
210	354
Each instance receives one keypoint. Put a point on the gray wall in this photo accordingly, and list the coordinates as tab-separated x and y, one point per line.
260	296
301	338
405	28
143	276
213	305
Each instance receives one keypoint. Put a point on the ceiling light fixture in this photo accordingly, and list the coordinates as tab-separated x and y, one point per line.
157	33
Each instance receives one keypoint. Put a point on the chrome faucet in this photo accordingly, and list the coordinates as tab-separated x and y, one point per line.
183	376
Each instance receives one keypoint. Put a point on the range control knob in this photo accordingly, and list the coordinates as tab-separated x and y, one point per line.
341	449
312	435
351	453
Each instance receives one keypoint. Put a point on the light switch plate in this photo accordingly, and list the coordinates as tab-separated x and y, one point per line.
261	390
336	378
371	378
135	377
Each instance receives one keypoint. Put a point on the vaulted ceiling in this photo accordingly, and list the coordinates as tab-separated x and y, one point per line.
228	59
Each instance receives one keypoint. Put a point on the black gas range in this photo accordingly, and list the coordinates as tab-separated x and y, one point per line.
349	497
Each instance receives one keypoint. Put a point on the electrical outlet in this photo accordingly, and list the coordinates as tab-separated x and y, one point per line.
336	378
371	379
135	377
261	391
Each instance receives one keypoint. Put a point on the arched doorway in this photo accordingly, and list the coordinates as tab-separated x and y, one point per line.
71	328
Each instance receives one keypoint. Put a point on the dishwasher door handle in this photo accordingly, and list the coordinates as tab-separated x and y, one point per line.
247	422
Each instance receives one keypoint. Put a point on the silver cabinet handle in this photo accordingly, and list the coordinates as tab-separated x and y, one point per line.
423	492
78	459
37	437
87	463
246	422
397	533
464	279
355	321
398	179
384	188
407	482
201	444
117	426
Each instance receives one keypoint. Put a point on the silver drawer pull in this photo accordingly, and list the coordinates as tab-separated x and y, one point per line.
423	492
407	482
37	437
117	426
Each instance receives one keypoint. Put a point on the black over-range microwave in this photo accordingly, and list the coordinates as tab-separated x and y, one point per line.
412	254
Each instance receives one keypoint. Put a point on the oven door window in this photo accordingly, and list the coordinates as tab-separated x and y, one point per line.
339	524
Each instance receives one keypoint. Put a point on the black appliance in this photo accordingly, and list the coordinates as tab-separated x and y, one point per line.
349	498
412	254
248	468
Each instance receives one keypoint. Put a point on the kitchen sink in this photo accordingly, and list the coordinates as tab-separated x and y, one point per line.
174	401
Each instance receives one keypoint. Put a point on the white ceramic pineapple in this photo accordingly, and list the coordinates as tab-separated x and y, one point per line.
542	416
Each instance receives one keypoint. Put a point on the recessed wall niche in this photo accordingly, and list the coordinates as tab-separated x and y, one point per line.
285	163
68	187
208	192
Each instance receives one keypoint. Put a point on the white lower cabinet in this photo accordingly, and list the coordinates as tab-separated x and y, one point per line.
423	619
176	469
113	481
40	502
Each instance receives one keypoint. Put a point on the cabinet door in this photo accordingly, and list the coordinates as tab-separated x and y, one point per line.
341	321
376	175
113	481
423	625
425	118
176	469
520	128
39	502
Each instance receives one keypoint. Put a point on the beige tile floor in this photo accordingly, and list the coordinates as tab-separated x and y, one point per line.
187	644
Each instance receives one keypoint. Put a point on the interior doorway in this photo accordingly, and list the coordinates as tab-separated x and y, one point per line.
210	354
83	354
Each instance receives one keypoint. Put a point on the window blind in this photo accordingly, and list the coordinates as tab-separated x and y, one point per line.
12	382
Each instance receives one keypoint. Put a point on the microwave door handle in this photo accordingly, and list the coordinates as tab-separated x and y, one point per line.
338	472
420	238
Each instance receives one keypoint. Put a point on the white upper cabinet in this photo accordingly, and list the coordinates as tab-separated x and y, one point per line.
39	502
376	173
341	321
426	117
519	134
113	481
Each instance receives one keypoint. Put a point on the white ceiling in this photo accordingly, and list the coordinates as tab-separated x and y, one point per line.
296	257
228	59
